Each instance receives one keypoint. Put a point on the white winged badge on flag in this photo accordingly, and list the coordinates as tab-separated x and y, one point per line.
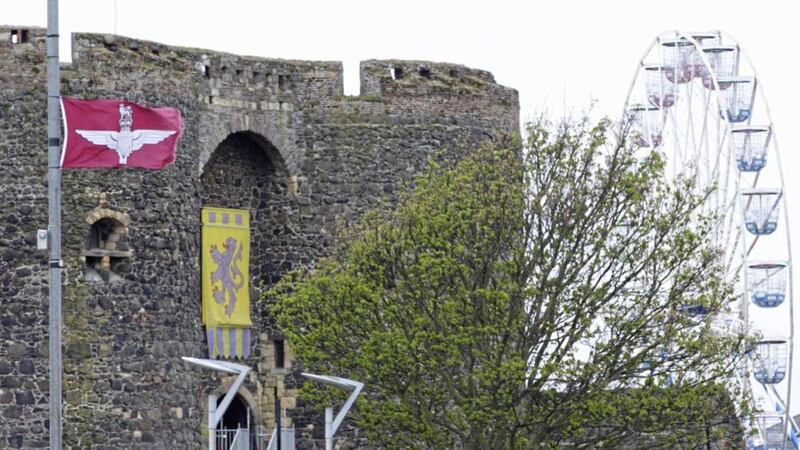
125	141
90	136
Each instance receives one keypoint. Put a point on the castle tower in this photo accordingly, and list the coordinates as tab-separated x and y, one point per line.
275	137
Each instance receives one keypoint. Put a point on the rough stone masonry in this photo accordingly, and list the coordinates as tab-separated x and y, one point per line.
277	137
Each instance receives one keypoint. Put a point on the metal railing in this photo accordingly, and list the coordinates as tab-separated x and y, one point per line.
226	438
258	439
287	440
241	441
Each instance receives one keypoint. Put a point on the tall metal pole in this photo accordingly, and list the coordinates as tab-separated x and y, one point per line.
54	221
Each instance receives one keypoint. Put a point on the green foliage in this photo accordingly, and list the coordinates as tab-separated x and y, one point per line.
529	297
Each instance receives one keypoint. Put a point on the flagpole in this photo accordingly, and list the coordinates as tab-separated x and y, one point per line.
54	221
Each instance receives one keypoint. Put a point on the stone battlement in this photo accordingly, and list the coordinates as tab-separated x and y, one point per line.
279	79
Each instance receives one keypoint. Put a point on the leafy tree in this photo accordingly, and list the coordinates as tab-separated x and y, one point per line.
534	296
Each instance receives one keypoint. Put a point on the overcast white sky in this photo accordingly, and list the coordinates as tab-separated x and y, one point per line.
558	54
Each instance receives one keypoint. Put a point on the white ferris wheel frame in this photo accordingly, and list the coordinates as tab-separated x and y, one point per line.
758	92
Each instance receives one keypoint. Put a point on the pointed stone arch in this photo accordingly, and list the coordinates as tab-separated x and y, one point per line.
245	395
242	394
269	127
247	171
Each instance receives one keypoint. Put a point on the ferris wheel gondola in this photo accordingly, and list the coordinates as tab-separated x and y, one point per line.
696	98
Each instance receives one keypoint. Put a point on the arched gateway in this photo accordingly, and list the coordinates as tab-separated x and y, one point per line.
246	172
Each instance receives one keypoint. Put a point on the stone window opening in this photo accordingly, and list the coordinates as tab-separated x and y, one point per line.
107	251
397	73
206	71
282	81
425	72
19	36
453	73
280	355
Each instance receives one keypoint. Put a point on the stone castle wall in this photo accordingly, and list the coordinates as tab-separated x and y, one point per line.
277	137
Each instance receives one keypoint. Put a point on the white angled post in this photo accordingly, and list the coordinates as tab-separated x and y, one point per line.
329	428
212	409
215	412
332	424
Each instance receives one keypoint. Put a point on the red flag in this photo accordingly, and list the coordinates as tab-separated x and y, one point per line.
118	133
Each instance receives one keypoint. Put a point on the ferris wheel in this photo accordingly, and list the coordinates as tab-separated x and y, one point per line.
697	99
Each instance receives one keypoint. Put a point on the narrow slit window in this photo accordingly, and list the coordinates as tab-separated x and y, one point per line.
280	361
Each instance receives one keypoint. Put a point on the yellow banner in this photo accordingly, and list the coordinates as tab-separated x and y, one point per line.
225	267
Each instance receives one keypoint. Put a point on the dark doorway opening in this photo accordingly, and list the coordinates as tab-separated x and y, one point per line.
236	416
236	428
